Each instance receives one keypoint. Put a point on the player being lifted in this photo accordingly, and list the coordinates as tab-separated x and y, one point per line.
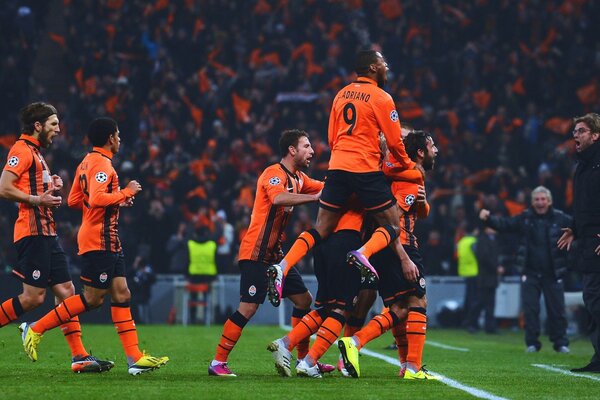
279	188
401	288
360	111
96	192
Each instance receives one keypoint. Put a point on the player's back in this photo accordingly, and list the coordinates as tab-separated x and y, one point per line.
357	116
99	225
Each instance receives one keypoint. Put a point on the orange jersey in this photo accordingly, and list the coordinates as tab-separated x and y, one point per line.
352	219
34	178
96	192
405	186
359	112
262	241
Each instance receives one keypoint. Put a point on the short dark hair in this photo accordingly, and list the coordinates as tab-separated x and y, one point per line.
100	129
363	60
592	120
289	138
35	112
415	141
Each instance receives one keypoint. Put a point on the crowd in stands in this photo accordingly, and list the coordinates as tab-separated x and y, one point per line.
202	89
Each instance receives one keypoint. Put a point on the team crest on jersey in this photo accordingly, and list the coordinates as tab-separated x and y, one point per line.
36	274
13	161
422	282
252	290
101	177
274	181
103	277
409	199
394	116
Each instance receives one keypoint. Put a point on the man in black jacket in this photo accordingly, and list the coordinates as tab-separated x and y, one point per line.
541	264
586	223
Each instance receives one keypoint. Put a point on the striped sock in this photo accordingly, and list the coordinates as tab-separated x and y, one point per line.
125	326
10	310
64	312
232	330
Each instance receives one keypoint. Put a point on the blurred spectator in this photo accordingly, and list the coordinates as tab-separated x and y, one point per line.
224	232
141	279
468	268
487	252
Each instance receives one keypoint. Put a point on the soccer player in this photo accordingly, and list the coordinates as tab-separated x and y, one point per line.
402	289
360	111
338	287
96	192
278	189
42	263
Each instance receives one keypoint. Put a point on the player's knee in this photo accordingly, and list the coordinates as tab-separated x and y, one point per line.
93	300
248	309
400	311
122	296
304	301
417	302
29	301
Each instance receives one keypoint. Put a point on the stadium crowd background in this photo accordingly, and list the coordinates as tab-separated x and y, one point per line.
202	89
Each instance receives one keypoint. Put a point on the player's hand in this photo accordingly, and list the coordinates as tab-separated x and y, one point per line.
421	195
128	202
410	270
57	182
134	186
566	240
318	195
484	214
47	199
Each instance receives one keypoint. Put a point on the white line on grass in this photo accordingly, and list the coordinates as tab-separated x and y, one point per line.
564	372
482	394
444	346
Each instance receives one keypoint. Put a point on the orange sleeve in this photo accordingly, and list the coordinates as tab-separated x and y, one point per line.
273	181
387	118
100	177
309	185
75	199
19	159
406	194
393	170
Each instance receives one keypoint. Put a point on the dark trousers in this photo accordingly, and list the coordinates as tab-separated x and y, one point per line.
470	298
591	299
485	301
554	296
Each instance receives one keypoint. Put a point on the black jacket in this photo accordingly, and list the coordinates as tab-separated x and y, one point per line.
487	252
586	208
524	225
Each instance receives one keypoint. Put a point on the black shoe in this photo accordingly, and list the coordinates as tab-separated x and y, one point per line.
591	367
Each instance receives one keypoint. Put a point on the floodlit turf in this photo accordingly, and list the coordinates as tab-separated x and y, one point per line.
494	364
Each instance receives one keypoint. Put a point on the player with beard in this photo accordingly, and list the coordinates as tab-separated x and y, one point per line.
402	287
278	189
42	263
360	111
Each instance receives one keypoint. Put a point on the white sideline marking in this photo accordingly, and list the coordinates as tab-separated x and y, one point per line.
444	346
482	394
562	371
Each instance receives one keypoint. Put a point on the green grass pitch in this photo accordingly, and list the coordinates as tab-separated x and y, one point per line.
495	365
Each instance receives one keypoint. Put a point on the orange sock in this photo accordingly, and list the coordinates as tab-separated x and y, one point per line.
308	325
10	310
64	312
399	332
304	242
125	325
353	325
376	327
72	332
416	328
304	344
381	238
327	335
232	330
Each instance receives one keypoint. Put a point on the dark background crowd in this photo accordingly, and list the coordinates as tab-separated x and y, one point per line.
202	89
